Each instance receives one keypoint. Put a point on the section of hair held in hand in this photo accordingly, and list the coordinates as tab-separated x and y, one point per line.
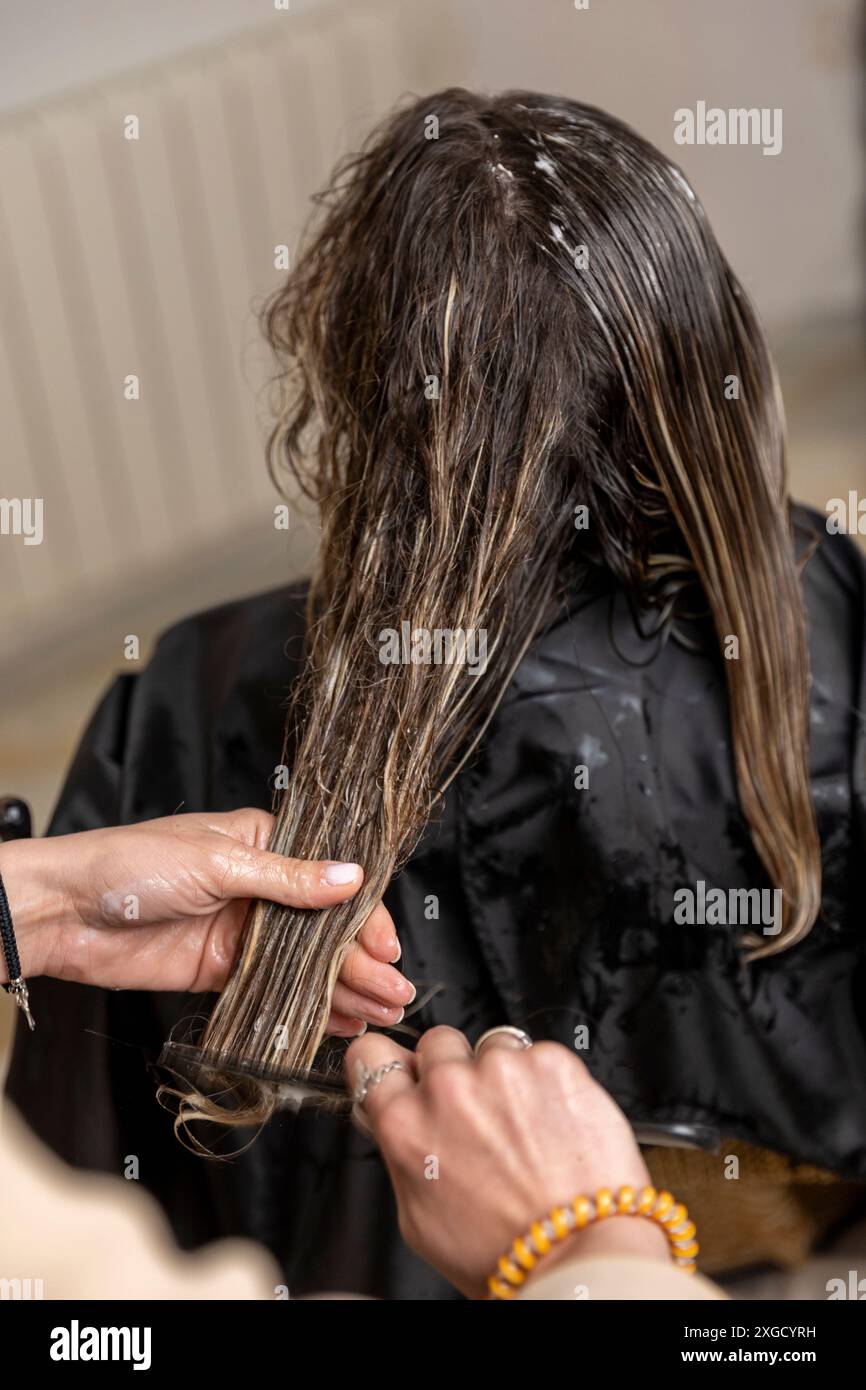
509	309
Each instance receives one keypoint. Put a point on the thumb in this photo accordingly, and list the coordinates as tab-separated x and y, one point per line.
293	882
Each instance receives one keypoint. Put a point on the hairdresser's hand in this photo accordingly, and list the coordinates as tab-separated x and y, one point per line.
161	905
513	1133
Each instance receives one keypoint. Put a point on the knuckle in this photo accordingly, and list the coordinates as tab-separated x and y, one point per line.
394	1121
357	972
259	824
501	1065
349	966
553	1058
449	1083
438	1031
244	824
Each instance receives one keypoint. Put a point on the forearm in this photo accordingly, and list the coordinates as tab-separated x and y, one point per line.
616	1235
623	1257
623	1277
40	901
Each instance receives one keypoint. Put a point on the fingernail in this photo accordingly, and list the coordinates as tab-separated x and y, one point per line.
362	1029
389	1013
407	990
394	945
338	874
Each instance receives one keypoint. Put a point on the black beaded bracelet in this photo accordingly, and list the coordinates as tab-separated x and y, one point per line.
14	825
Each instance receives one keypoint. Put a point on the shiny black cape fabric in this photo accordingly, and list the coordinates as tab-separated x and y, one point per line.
555	910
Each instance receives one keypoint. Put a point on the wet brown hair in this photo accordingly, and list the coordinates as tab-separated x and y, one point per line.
508	308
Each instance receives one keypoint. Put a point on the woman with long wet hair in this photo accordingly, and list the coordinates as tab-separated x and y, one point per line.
579	690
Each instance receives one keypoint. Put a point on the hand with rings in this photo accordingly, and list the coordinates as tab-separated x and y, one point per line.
480	1143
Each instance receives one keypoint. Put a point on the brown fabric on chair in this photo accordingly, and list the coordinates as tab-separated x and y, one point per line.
775	1212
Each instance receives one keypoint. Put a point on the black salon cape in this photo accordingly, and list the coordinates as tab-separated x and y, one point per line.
530	901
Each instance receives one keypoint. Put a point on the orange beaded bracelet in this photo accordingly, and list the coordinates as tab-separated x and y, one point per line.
661	1207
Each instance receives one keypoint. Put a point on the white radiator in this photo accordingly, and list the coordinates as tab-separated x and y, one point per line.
145	258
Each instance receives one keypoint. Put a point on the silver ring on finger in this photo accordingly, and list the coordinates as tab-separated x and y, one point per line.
369	1077
509	1031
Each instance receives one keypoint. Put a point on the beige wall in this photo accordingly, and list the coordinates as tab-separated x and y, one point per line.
790	224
